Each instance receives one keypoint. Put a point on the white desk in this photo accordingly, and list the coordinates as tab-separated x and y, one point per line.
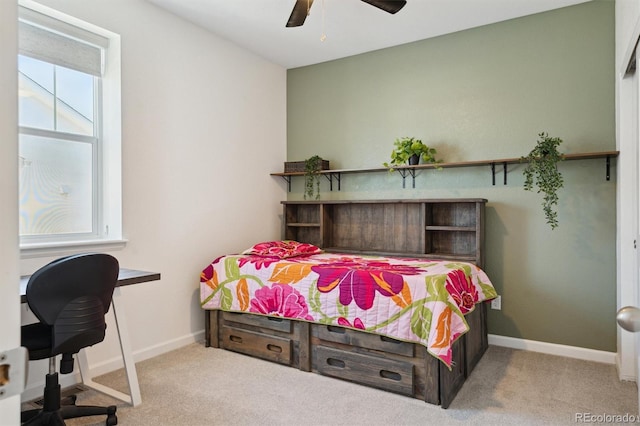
126	277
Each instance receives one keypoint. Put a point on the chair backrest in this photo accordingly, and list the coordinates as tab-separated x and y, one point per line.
72	295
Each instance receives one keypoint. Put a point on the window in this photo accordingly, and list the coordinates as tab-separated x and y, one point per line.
69	130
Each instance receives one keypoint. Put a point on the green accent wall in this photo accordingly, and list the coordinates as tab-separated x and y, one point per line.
482	94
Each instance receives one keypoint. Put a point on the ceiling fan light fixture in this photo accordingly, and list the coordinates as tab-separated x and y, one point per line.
301	9
299	13
389	6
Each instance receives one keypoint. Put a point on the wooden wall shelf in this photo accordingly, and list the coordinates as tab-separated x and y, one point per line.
405	171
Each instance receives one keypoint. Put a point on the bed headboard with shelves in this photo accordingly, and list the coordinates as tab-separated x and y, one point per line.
431	228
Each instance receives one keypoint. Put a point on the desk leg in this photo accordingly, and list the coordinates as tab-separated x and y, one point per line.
134	397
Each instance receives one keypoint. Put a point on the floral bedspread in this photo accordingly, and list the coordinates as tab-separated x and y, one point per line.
415	300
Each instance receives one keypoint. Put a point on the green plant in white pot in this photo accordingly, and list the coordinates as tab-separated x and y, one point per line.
542	172
409	151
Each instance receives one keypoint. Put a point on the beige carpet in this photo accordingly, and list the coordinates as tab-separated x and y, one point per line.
204	386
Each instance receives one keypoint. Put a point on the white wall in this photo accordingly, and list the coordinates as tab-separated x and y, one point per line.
204	123
9	294
627	18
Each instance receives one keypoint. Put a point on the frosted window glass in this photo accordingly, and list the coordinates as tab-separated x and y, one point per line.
55	186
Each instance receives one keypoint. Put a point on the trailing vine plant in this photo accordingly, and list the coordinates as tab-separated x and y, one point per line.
542	171
311	177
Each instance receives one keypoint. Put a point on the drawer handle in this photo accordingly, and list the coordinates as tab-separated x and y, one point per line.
390	375
389	340
274	348
334	329
235	339
334	362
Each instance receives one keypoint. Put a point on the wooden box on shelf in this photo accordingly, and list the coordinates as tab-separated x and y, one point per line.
299	166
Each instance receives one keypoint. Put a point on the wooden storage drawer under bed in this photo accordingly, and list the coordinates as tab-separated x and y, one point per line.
384	363
273	339
374	371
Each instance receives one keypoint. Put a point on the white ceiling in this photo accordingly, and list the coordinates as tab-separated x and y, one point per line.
351	26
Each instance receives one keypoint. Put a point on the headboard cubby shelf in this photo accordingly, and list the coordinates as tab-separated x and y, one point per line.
430	228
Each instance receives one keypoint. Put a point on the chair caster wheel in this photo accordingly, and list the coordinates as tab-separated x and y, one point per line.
112	420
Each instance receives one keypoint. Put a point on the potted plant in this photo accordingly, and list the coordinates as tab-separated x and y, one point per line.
542	170
311	177
409	151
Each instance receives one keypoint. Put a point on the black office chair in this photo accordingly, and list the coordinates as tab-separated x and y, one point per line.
70	296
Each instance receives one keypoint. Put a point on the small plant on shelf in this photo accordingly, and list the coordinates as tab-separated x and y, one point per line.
542	171
409	151
311	177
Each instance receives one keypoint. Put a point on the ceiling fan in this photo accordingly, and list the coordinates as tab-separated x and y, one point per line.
301	9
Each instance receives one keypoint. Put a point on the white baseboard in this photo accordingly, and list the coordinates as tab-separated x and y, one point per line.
553	349
34	390
146	353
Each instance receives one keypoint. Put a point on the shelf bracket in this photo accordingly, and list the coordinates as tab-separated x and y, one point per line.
404	172
608	160
504	171
330	177
288	180
493	173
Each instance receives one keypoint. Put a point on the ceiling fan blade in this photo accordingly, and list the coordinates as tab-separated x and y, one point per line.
391	6
299	13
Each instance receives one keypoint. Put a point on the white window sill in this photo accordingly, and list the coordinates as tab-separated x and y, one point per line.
71	247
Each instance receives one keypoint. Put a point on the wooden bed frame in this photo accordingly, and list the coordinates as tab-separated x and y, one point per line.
445	229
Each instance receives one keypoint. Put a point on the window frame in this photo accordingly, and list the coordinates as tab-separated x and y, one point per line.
106	154
95	141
